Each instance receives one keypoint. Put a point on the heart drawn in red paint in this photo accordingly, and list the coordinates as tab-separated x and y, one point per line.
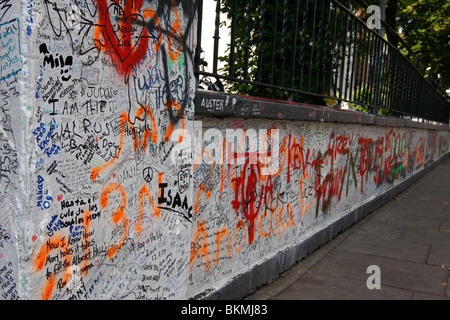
60	197
124	32
34	238
114	175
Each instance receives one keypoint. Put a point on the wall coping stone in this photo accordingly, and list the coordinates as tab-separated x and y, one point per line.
225	105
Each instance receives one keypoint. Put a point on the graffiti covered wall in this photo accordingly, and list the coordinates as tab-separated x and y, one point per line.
244	214
11	182
104	88
111	188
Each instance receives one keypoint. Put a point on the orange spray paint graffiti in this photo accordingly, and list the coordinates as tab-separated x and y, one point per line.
202	249
150	134
58	242
119	214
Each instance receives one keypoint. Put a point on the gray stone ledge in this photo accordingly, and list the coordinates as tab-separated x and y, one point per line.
224	105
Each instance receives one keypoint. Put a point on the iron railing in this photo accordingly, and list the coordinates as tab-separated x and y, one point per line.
308	50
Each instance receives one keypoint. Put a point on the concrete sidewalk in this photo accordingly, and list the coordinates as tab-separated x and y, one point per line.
408	239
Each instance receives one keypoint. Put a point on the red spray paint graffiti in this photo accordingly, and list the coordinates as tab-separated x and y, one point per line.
124	36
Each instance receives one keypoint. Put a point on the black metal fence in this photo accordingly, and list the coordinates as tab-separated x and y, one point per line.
311	50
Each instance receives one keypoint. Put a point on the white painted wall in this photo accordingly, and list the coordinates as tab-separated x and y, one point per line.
326	170
98	200
91	103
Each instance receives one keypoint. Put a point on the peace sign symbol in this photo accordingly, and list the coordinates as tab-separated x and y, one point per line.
148	174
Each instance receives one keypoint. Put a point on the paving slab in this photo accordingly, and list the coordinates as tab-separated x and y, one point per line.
445	226
427	296
408	239
315	286
426	236
394	273
350	268
389	247
440	255
407	220
448	285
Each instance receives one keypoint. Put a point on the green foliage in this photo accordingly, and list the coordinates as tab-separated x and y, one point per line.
425	26
259	47
367	92
426	29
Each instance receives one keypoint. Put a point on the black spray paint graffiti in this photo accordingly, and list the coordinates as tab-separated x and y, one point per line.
65	64
78	22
